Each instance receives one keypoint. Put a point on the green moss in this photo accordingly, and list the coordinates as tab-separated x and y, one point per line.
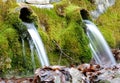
109	37
61	31
6	7
11	56
74	41
104	81
13	19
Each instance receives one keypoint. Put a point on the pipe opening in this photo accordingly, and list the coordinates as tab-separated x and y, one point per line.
85	15
25	14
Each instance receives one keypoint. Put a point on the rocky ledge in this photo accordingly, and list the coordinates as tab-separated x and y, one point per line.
85	73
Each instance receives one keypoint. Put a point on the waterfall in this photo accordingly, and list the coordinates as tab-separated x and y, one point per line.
23	49
32	53
102	5
100	49
38	44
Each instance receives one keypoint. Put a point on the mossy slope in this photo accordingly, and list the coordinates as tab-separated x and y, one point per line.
63	27
60	29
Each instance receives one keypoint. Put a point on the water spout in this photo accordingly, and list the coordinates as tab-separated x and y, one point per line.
101	51
38	44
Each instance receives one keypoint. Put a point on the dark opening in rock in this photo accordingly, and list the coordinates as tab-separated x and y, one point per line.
25	14
85	15
92	1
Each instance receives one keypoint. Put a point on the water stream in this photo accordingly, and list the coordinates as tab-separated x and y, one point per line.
23	50
38	45
100	49
31	44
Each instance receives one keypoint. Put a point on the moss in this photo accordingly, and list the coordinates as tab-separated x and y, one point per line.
109	37
61	31
58	27
11	30
6	7
75	41
104	81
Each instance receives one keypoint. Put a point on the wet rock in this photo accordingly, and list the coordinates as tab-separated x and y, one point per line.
61	74
54	74
116	53
77	75
84	73
38	1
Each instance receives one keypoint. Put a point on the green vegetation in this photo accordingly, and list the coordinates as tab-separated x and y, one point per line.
60	29
11	56
66	40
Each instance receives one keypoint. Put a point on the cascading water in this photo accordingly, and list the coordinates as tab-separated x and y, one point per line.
38	44
102	5
98	45
23	49
32	52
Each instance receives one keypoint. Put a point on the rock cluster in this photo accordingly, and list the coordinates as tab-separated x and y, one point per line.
85	73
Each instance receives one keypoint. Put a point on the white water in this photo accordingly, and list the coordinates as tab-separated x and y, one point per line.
101	51
102	5
38	44
23	49
32	53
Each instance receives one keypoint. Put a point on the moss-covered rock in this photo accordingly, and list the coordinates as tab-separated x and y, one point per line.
75	44
66	41
60	28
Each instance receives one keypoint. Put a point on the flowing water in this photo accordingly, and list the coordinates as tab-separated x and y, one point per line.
38	44
23	50
32	53
102	5
101	51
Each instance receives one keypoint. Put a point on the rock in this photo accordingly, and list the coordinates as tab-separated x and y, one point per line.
17	80
38	1
61	74
54	74
51	1
47	6
77	76
116	53
84	73
116	80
